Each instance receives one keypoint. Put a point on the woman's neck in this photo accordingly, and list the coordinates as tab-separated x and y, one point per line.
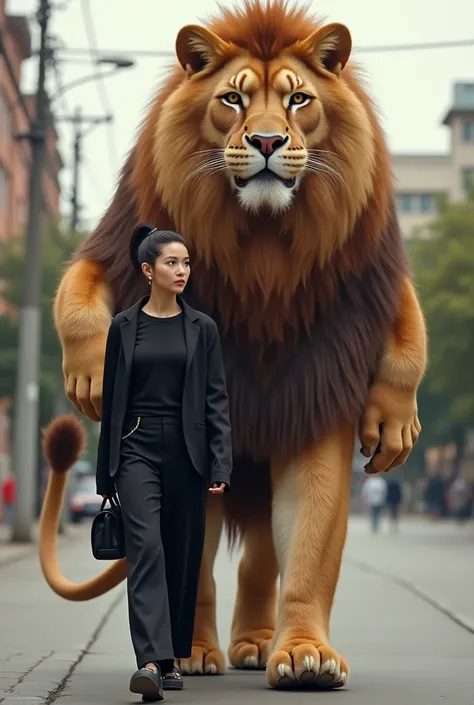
162	304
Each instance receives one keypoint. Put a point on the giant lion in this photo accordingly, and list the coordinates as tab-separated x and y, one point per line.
265	152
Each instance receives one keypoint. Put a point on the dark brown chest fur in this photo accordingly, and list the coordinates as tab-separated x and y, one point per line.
286	395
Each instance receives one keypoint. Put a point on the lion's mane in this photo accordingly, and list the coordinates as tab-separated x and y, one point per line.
302	323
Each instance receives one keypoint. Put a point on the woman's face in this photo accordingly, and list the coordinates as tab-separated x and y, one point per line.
171	269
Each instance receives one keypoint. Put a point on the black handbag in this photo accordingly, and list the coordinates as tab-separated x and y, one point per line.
107	533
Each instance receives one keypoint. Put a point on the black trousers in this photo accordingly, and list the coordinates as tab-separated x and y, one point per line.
163	502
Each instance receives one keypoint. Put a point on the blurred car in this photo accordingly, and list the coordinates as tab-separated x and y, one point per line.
84	502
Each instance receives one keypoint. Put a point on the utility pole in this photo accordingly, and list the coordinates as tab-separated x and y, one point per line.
27	392
78	120
75	173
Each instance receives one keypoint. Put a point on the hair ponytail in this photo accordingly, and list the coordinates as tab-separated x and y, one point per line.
146	243
139	236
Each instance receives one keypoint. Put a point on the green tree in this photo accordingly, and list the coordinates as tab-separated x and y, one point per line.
443	263
58	244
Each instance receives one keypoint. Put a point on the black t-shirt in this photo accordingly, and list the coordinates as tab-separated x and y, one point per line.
159	364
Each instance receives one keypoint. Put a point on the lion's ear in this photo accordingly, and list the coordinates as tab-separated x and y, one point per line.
331	46
197	48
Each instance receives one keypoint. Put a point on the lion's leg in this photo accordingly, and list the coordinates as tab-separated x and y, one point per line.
310	511
390	427
206	656
255	607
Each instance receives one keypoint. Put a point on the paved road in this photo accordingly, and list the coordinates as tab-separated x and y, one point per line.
409	642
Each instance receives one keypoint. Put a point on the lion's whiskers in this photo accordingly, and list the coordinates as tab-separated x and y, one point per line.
322	168
208	167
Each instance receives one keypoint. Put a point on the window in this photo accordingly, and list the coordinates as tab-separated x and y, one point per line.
416	202
468	179
3	189
468	130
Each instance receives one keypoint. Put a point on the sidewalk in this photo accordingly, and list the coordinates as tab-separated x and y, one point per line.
43	637
11	552
402	650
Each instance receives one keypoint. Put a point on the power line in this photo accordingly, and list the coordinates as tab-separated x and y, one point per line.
92	40
417	46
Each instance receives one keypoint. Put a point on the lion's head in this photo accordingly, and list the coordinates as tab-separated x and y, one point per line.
269	118
263	142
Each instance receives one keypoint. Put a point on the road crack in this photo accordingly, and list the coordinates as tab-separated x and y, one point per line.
421	594
56	693
12	688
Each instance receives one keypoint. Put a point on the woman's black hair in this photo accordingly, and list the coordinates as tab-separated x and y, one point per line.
146	244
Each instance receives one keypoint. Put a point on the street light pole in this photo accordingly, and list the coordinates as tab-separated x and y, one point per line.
27	392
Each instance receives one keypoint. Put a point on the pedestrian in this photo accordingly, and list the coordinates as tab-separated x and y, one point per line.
435	497
165	443
394	500
374	492
8	498
460	494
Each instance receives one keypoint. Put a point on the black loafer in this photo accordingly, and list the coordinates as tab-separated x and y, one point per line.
147	683
173	681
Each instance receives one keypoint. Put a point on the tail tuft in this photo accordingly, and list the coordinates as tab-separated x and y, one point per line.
64	440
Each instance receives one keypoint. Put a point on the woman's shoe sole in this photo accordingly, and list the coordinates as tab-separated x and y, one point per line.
146	685
173	684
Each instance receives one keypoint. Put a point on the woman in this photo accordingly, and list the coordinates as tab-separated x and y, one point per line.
164	443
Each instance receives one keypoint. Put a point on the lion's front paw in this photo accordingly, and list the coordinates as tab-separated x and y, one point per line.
204	660
390	427
83	367
251	651
307	665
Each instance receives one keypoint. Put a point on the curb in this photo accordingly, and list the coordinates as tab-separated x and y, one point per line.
17	556
27	550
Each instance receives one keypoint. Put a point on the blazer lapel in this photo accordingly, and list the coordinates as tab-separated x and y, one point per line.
128	330
129	335
191	334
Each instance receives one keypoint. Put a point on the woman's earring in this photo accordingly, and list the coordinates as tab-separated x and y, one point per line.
149	281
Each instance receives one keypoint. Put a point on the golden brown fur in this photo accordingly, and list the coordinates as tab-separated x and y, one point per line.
307	279
63	443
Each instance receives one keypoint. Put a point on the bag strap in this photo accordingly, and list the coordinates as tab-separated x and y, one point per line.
114	501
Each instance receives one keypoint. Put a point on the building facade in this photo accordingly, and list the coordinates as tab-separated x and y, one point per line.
15	159
15	154
421	178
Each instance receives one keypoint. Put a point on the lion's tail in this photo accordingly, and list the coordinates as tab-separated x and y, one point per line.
63	443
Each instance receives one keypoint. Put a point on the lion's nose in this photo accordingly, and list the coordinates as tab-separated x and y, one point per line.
266	144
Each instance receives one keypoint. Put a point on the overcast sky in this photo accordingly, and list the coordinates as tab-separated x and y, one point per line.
413	88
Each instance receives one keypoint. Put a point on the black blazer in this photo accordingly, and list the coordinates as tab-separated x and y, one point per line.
205	413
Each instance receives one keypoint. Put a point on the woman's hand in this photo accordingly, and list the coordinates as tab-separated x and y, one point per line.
217	488
106	496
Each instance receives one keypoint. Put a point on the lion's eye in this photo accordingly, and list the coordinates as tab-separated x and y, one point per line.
232	99
300	99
